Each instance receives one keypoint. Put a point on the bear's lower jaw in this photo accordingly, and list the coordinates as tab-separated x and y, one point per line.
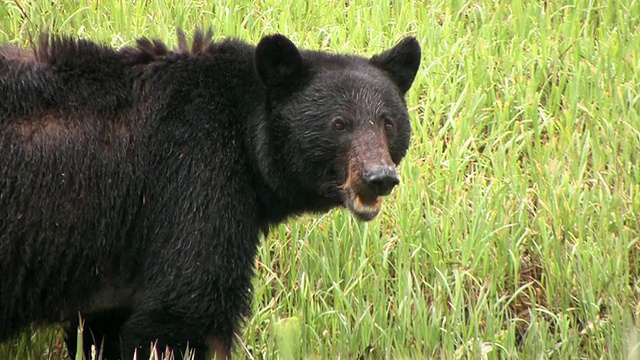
364	208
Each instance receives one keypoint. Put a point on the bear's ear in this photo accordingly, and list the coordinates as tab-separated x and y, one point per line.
401	62
278	61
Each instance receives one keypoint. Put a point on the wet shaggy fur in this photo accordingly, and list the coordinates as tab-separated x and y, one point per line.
135	183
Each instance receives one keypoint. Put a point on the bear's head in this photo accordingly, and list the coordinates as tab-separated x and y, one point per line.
337	125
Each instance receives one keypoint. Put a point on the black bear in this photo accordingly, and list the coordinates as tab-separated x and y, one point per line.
135	183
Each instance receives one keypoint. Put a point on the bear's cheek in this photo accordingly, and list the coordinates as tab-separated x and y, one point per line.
400	143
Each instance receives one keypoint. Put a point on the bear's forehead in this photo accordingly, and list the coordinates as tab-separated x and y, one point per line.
358	75
359	87
346	72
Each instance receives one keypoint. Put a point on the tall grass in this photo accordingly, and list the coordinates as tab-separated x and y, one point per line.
514	233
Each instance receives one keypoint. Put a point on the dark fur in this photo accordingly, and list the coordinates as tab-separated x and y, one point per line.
134	184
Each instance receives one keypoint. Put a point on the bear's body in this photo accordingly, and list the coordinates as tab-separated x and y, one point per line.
134	184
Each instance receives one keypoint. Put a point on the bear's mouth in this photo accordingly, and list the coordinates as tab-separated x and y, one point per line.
364	206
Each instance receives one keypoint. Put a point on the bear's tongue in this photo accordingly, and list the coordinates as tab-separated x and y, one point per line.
367	206
363	201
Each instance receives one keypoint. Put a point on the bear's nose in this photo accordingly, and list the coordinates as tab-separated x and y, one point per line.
381	179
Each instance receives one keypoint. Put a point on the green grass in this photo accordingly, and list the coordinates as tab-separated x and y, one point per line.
515	232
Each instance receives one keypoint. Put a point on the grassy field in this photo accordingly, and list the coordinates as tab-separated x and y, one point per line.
515	232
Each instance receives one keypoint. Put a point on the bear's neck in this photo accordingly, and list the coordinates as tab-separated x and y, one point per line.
277	194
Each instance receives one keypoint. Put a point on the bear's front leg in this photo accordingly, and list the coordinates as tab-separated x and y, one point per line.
197	313
197	263
160	330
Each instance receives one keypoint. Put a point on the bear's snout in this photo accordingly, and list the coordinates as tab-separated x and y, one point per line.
381	179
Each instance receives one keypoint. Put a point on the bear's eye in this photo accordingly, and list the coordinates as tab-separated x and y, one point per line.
339	124
388	124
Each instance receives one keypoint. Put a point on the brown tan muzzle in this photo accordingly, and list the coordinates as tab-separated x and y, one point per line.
371	175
